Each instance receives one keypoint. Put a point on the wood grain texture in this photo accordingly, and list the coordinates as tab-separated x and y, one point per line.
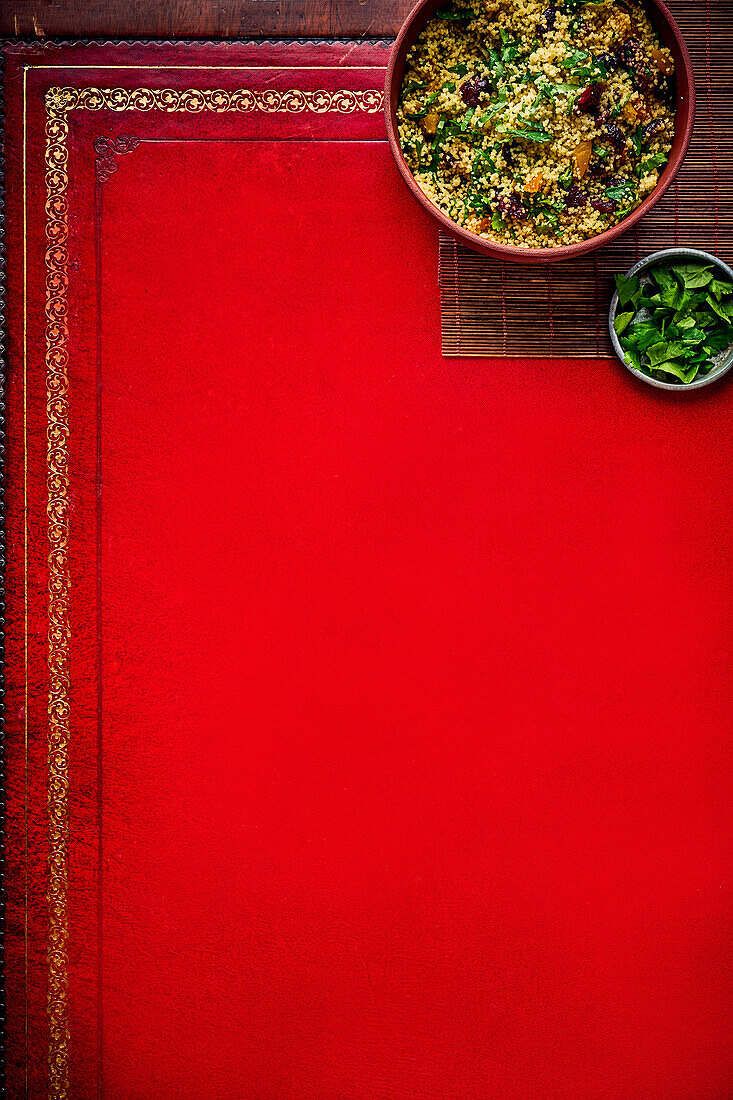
193	19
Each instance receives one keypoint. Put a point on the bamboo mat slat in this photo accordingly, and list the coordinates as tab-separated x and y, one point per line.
495	309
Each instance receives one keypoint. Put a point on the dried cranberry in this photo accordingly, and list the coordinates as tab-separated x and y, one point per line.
604	206
547	19
615	136
651	128
511	207
598	171
473	89
609	61
575	197
508	155
629	52
590	99
602	117
667	89
642	79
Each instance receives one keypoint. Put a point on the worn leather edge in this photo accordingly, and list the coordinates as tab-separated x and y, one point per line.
271	40
18	46
3	803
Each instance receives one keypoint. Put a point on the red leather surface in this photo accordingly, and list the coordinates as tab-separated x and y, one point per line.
400	686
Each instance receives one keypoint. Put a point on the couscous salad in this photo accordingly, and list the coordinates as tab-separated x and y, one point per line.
537	124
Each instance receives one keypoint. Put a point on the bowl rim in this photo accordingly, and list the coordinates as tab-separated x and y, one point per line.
653	258
559	252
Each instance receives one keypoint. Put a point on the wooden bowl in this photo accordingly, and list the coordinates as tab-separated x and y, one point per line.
670	36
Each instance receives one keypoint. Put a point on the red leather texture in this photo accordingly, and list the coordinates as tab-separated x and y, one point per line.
397	689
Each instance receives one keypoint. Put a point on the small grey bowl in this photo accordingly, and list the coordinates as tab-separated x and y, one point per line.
670	255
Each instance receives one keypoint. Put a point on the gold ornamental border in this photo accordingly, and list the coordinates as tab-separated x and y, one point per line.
59	102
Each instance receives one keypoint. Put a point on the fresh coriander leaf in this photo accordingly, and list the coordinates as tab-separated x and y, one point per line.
628	289
670	296
693	336
632	357
658	353
724	310
622	322
670	367
719	340
663	277
693	276
644	334
685	299
719	288
666	349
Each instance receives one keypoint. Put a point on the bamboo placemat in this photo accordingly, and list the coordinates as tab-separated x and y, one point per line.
496	309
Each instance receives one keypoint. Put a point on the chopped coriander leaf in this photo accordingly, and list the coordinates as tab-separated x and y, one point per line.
622	193
413	86
440	136
537	133
574	58
653	162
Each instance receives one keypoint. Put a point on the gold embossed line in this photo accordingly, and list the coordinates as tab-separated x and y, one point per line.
57	454
59	101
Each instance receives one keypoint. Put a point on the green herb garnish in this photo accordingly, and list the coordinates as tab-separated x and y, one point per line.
537	133
566	178
676	322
